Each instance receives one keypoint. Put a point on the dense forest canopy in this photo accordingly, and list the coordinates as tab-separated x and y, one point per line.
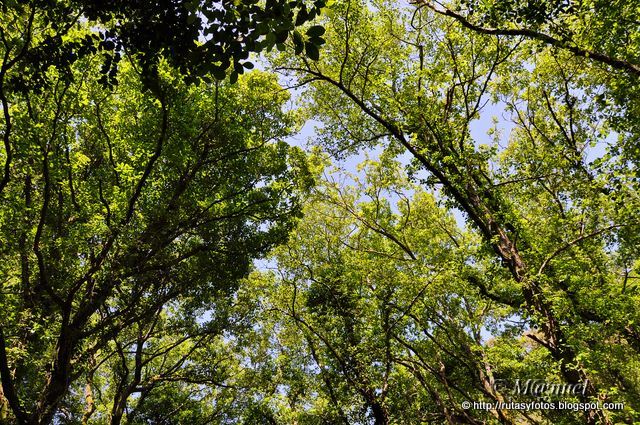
169	256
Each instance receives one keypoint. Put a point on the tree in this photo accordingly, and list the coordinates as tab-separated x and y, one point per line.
85	169
202	39
131	213
553	219
601	31
370	315
138	187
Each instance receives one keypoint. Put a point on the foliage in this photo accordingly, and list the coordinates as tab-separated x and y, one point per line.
203	39
605	32
490	234
127	217
555	219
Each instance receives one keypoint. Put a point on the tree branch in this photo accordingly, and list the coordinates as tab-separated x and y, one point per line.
615	63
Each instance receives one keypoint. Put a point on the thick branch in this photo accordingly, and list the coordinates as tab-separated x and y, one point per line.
7	383
615	63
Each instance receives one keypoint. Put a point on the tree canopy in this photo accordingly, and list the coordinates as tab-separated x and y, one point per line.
168	256
203	39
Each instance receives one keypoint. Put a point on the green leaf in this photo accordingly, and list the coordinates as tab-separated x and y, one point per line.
301	17
219	73
282	36
316	31
312	51
318	41
298	42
